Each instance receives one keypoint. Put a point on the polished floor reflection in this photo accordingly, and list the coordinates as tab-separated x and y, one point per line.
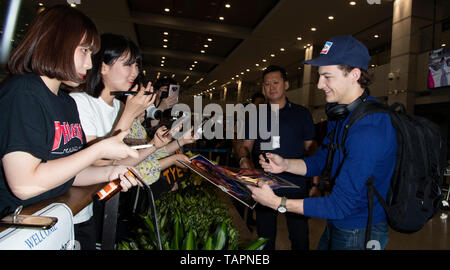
435	235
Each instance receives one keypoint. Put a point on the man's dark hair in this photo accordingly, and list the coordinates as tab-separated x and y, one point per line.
273	68
257	95
366	78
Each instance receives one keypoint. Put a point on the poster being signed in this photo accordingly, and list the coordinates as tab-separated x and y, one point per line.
234	181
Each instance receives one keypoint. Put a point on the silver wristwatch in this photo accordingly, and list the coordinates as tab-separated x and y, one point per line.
282	207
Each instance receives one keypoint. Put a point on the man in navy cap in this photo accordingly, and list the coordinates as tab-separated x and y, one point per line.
370	150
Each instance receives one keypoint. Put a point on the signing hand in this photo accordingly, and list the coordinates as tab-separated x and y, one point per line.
276	164
264	195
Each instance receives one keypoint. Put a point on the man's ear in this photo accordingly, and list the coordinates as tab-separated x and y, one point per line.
355	74
286	85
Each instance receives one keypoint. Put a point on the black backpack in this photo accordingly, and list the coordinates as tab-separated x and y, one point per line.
414	193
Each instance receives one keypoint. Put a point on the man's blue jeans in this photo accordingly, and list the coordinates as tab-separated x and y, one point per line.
335	238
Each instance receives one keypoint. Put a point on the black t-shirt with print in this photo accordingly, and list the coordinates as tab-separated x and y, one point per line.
35	120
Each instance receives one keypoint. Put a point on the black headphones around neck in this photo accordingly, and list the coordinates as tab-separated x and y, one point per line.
337	111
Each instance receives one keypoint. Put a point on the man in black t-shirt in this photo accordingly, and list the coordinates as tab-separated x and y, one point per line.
296	133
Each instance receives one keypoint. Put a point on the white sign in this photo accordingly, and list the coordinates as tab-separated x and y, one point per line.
60	236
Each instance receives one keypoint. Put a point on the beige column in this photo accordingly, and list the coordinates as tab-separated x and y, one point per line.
239	94
406	42
225	93
309	83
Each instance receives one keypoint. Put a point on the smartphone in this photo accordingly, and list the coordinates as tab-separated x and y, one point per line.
129	93
42	222
174	89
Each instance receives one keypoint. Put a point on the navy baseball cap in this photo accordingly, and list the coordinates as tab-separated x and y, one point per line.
342	50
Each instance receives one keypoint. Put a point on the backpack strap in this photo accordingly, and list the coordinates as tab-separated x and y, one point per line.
365	108
332	147
362	110
371	190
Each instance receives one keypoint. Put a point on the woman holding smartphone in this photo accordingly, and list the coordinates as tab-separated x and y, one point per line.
42	143
115	68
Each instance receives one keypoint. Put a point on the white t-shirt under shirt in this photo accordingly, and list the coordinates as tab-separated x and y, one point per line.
97	119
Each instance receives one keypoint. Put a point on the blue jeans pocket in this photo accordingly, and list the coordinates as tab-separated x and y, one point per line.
335	238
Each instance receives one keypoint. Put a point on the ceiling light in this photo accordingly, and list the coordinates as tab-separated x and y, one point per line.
209	39
248	70
299	38
352	3
257	65
242	73
264	60
166	33
162	65
376	36
165	46
165	40
206	45
313	29
221	18
443	45
163	57
195	62
330	17
307	45
192	65
167	10
282	49
272	55
202	51
73	5
227	5
190	68
162	61
41	4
